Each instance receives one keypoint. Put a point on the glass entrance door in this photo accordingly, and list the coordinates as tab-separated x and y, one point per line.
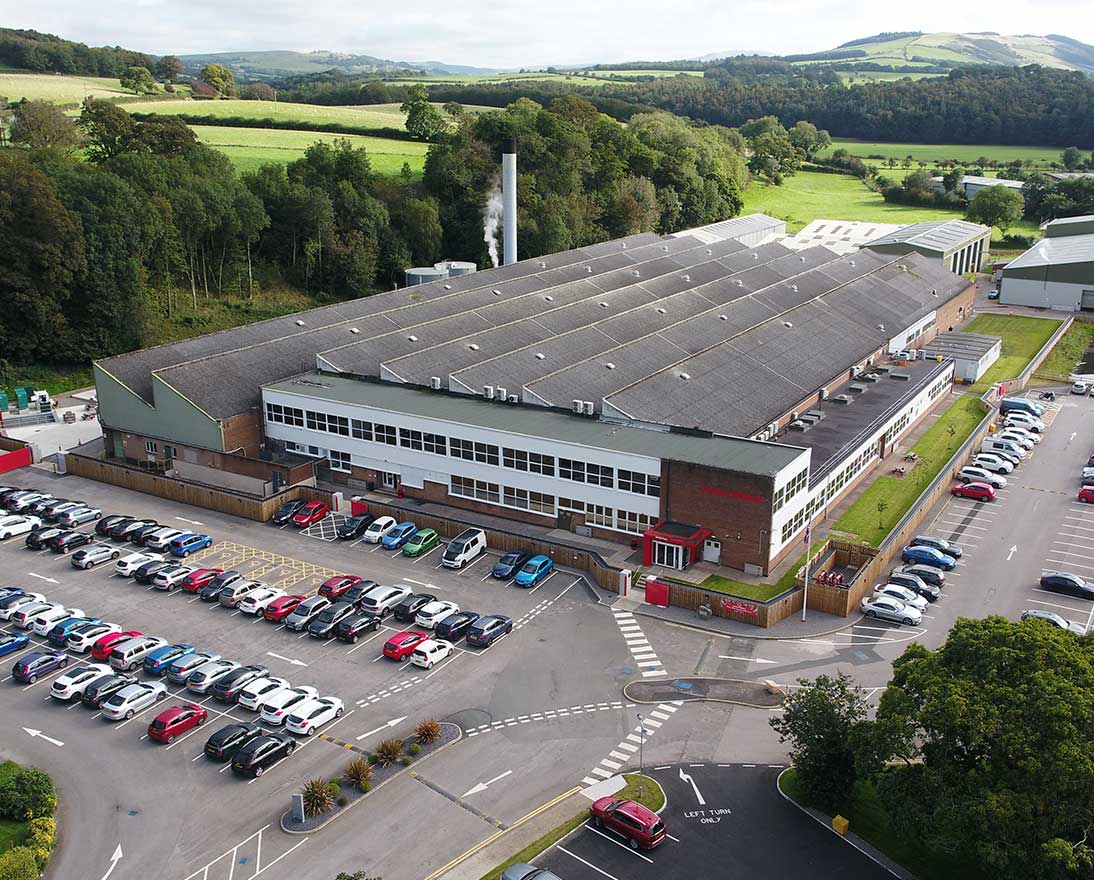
668	555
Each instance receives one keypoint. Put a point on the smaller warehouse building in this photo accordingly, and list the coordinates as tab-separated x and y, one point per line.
971	184
959	245
973	353
1057	272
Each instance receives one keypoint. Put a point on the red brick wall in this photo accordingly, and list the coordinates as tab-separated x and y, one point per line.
243	433
713	498
954	313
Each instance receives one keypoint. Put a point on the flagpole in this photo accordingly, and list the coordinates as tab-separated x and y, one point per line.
808	552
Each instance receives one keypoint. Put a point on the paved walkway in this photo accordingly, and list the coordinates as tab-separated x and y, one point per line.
816	622
698	689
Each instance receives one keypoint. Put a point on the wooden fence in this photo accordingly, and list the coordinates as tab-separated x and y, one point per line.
751	611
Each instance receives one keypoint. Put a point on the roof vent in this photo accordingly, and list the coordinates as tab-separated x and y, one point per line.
687	278
900	377
881	327
855	388
802	259
603	305
903	268
710	253
798	425
685	376
757	256
549	298
503	393
540	355
412	338
842	399
299	323
488	392
542	265
787	324
738	282
660	310
636	273
589	269
473	346
514	398
851	262
664	247
435	383
354	330
794	287
934	292
722	318
609	365
587	407
576	406
496	292
623	245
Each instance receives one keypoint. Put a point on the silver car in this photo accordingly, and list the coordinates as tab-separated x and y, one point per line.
91	556
79	516
890	608
209	674
973	474
132	699
1051	617
380	600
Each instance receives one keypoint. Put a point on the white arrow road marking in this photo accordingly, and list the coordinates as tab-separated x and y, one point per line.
685	777
1074	434
114	859
279	657
192	522
42	577
746	659
1013	550
391	723
40	735
482	786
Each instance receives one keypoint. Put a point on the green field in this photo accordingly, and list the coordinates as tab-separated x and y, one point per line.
936	153
574	78
279	110
58	89
1022	339
857	77
633	73
248	148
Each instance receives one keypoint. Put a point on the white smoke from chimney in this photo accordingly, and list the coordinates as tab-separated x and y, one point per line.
491	220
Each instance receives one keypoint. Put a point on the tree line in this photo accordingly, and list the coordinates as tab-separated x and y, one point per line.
31	50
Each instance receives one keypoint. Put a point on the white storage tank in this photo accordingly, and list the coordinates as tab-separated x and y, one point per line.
456	268
424	275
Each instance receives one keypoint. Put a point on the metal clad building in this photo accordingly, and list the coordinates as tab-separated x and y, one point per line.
959	245
1057	272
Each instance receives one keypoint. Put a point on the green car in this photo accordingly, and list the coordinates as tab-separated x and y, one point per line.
422	541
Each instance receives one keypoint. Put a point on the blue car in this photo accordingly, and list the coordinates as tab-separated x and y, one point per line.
928	556
38	663
399	535
8	592
12	642
157	661
534	570
189	543
59	634
510	564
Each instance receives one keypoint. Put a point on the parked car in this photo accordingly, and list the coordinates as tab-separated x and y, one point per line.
889	608
1025	420
262	752
141	535
143	574
132	699
121	531
170	577
306	612
398	536
1086	495
103	688
231	595
228	688
281	608
78	517
104	525
1080	388
354	526
524	871
161	538
8	592
105	644
203	679
69	540
91	556
916	584
421	542
10	526
402	645
640	827
58	506
286	512
455	626
1054	619
1023	432
464	548
310	514
23	502
940	544
30	667
44	621
82	638
536	569
929	574
428	615
928	556
1066	583
378	529
13	603
322	625
24	616
973	474
198	579
188	543
909	597
381	600
307	718
359	590
129	564
256	601
259	690
336	586
157	662
431	652
351	628
993	463
511	563
12	642
61	631
278	707
181	668
130	654
225	578
172	723
38	538
69	687
1022	440
225	742
975	491
487	630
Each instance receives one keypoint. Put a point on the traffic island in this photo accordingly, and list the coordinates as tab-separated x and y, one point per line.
324	801
756	694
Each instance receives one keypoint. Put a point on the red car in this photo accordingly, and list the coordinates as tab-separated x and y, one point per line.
640	827
281	608
310	514
976	491
198	578
1086	494
334	587
402	645
174	722
101	649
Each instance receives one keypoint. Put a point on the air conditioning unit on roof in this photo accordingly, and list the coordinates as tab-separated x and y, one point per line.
435	383
514	398
488	392
503	393
587	407
577	406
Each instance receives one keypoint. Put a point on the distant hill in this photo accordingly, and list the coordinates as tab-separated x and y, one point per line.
276	64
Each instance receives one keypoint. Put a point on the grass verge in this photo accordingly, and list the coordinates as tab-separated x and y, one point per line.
12	833
759	592
1022	338
652	796
1069	351
881	506
54	378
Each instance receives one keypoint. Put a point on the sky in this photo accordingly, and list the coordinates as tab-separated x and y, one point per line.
485	33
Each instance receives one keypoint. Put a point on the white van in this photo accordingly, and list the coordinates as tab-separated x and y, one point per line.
999	445
464	547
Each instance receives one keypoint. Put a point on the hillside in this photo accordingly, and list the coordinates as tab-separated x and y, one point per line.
277	64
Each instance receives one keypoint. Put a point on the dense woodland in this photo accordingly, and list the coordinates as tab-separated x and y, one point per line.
31	50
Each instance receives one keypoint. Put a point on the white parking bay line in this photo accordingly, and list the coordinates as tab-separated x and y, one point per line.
578	858
1055	605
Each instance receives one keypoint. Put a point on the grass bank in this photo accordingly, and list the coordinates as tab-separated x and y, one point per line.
54	378
58	89
934	154
1022	338
12	833
1069	351
652	796
881	506
361	117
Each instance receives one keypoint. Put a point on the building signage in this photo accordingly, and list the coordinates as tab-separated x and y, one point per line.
735	607
728	493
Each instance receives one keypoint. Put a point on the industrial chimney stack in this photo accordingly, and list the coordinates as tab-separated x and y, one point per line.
509	200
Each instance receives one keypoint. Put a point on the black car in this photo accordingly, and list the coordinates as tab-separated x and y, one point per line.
1067	583
355	526
487	630
227	689
411	605
224	743
69	541
145	573
139	536
224	579
455	626
123	531
936	577
49	512
104	525
510	564
350	629
36	539
103	688
357	592
210	592
40	505
322	626
261	752
286	512
916	584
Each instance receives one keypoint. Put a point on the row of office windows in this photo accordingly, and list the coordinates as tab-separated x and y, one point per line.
803	516
783	495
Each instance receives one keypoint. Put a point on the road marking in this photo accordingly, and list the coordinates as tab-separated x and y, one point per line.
386	726
746	659
482	786
619	843
685	777
291	660
1010	554
637	643
42	577
37	734
114	859
572	856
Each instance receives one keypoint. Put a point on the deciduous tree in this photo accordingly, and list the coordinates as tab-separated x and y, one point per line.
42	125
108	129
138	80
422	119
169	68
996	206
219	77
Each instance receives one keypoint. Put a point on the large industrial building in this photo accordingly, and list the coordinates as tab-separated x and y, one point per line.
959	245
1057	272
706	390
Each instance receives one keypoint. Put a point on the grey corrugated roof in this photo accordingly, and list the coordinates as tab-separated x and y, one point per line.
1063	226
961	345
737	227
937	235
729	453
1056	251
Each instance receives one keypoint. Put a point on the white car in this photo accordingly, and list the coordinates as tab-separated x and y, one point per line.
890	608
81	639
1088	472
24	501
160	539
170	577
993	463
202	681
256	601
44	622
132	699
908	597
431	612
379	528
278	707
1022	441
69	687
1024	420
429	652
25	615
129	564
10	526
972	474
1080	388
79	516
260	690
1023	432
380	600
24	600
309	716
